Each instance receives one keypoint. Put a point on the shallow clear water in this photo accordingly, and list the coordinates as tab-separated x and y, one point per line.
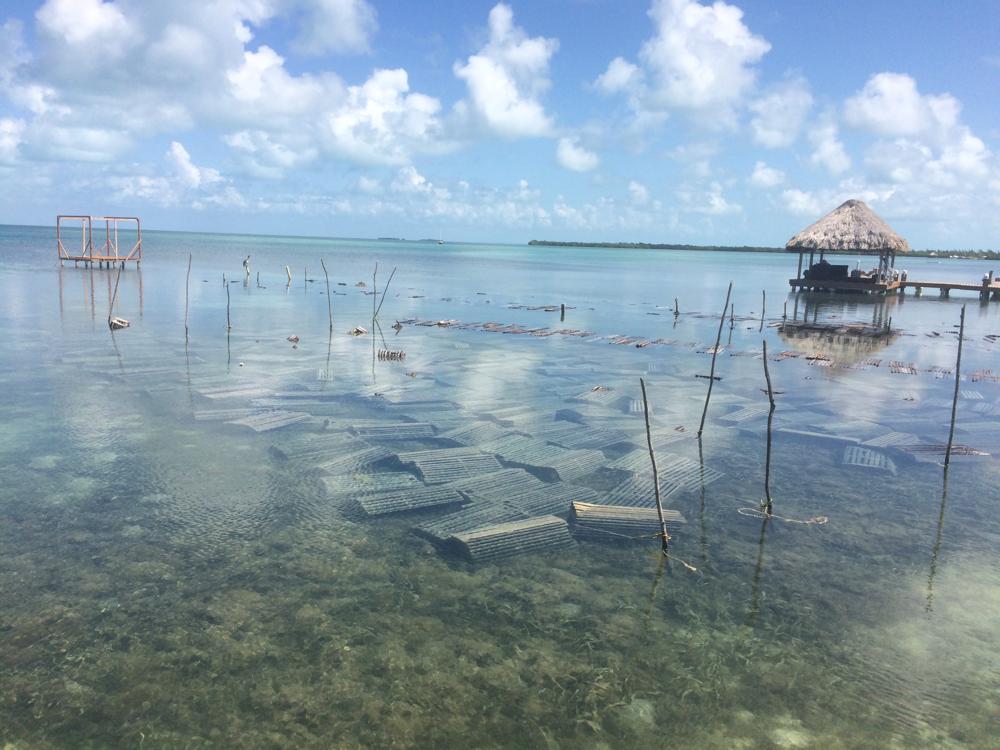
172	579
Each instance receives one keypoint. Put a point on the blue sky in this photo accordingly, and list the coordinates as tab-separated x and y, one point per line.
669	121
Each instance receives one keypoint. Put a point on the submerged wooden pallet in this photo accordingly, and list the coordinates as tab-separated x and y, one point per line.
573	435
525	451
397	501
673	471
892	439
439	466
394	431
745	414
475	433
359	483
223	415
355	460
312	448
514	538
858	455
245	391
505	484
478	514
619	522
271	420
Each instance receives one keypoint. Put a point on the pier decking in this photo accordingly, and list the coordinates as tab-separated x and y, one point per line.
990	290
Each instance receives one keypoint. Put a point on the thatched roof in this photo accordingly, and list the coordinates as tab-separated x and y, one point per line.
851	227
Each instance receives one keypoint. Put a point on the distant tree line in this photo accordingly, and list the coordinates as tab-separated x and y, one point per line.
975	254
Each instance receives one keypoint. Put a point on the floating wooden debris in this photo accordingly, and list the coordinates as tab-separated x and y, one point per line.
395	431
971	395
294	339
118	323
856	455
449	464
358	331
900	368
514	538
390	355
932	452
396	502
271	420
611	522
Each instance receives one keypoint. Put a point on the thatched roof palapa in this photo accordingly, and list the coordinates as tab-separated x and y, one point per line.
851	227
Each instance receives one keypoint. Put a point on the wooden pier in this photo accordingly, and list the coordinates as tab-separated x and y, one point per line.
107	254
986	290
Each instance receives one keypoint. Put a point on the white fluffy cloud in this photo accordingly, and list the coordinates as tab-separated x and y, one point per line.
890	104
700	59
10	139
571	155
506	78
780	113
336	26
828	151
766	177
84	22
638	193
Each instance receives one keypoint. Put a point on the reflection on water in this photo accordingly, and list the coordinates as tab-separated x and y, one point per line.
171	577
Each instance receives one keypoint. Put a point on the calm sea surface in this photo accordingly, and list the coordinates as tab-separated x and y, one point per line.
172	577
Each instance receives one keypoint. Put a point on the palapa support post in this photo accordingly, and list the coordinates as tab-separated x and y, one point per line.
665	538
715	354
958	378
770	420
784	312
329	303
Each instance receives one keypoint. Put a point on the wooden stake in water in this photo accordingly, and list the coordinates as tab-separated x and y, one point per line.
770	419
229	325
677	309
288	272
664	537
187	297
958	378
111	311
384	292
715	353
329	303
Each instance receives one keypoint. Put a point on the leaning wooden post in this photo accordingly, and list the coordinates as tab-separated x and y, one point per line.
187	297
288	272
677	309
958	377
770	419
329	304
665	538
229	325
715	353
111	310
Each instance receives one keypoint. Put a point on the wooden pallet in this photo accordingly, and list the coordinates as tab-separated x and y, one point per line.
478	514
381	503
475	433
573	435
892	439
394	431
858	455
514	538
358	483
442	465
354	460
673	471
271	420
615	522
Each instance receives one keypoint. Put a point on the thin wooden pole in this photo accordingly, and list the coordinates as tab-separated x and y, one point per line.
229	325
715	353
770	419
665	538
677	309
187	297
958	378
385	291
288	272
111	311
329	303
374	300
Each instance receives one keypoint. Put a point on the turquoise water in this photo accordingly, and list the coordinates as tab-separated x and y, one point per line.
171	578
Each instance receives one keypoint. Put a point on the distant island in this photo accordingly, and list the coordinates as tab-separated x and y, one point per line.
968	254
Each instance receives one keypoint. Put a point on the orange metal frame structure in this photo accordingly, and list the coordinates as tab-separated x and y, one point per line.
108	254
